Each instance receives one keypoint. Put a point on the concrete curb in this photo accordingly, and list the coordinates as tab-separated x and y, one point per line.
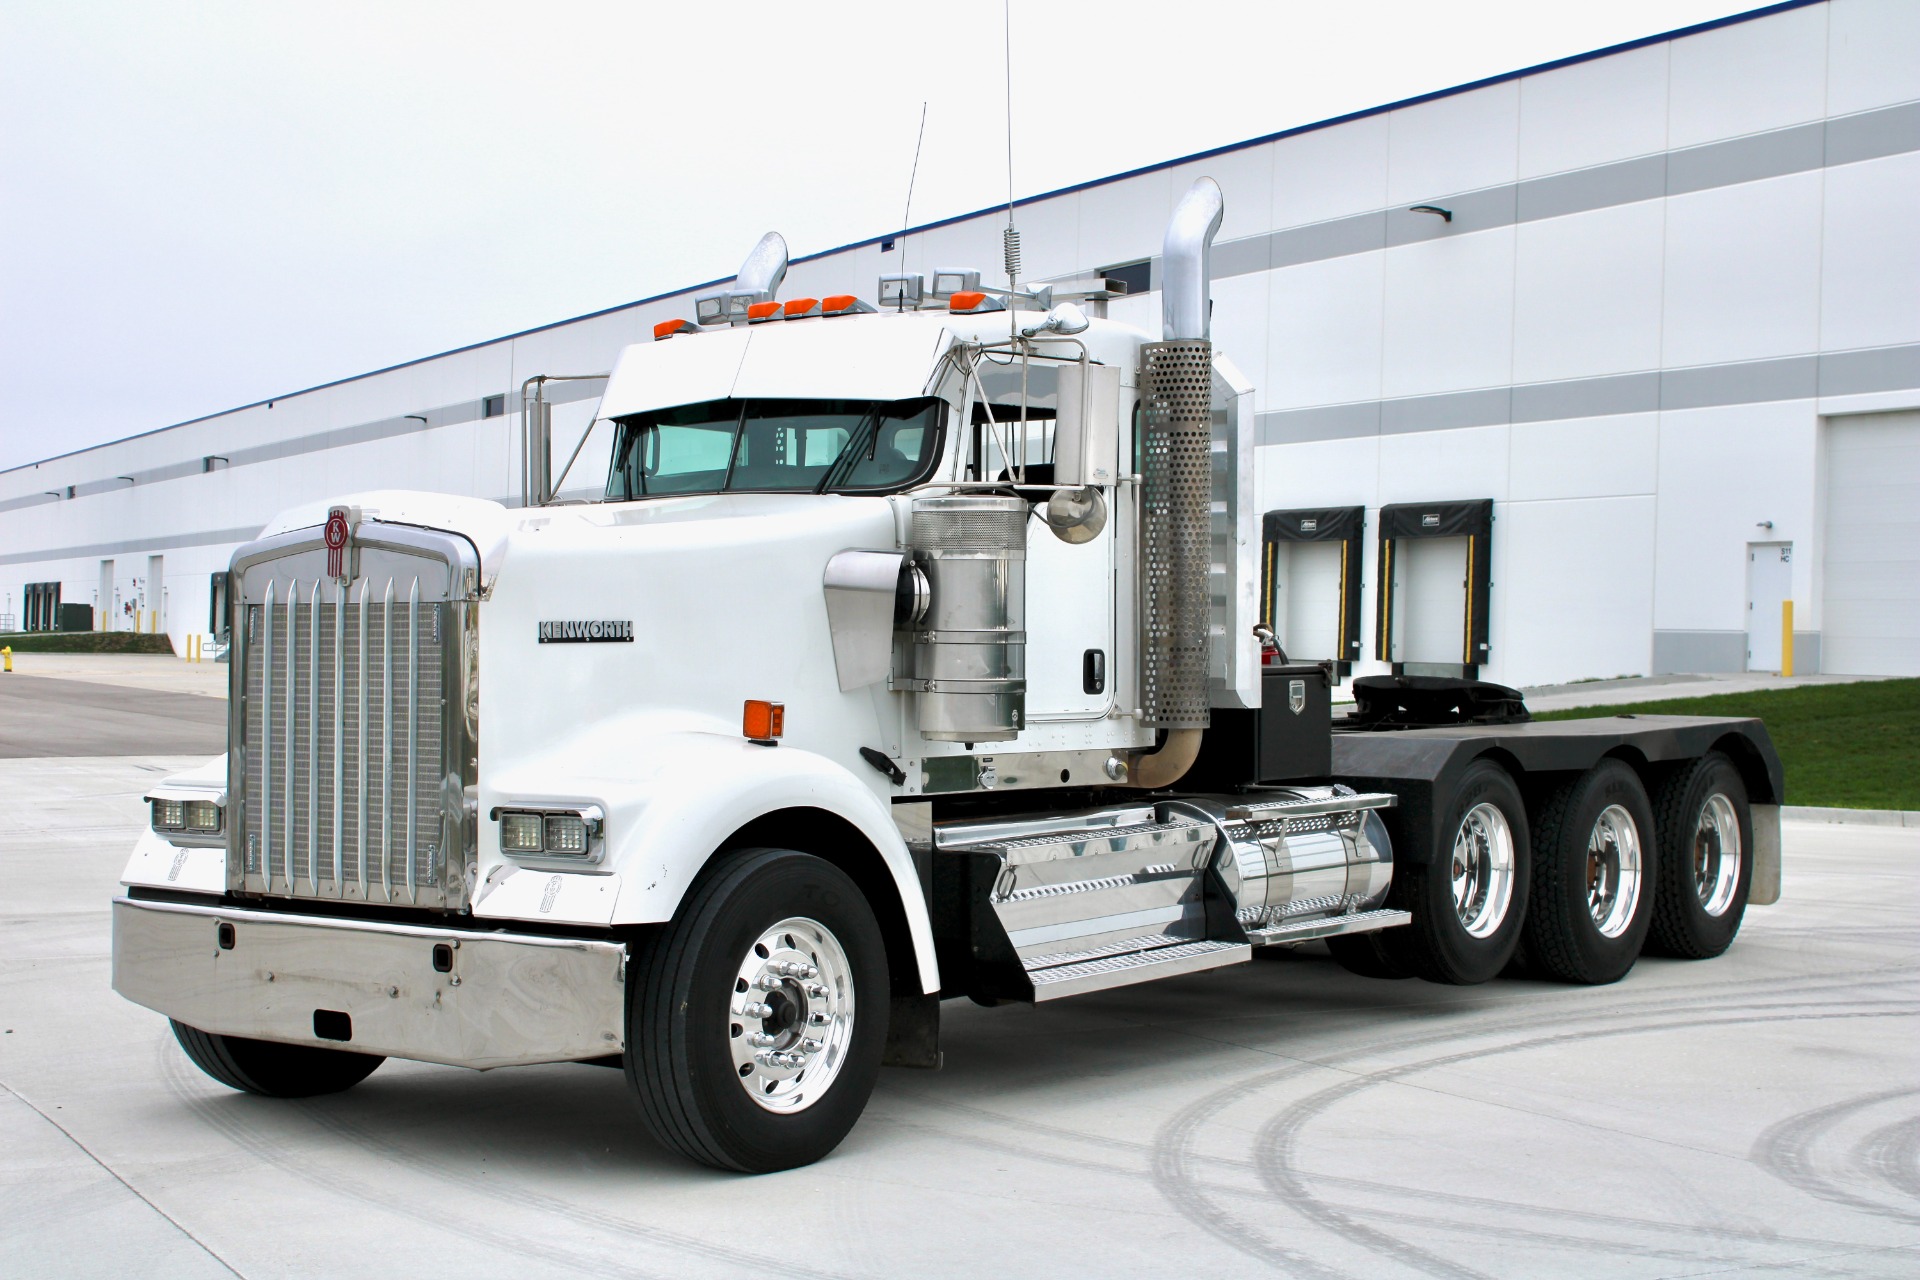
1857	817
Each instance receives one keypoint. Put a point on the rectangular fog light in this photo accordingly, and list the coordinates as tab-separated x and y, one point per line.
520	832
566	834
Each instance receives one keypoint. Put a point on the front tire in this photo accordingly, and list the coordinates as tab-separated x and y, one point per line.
274	1070
757	1018
1593	877
1468	906
1705	830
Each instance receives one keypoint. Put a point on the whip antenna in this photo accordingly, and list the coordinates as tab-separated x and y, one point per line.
906	215
1010	238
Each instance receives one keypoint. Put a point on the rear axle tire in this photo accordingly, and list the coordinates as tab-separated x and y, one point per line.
1594	872
1705	831
1467	906
756	1018
274	1070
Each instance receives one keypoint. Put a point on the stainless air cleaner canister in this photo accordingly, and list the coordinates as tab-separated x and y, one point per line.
970	653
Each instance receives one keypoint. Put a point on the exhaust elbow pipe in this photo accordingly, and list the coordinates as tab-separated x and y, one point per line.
1186	263
1177	515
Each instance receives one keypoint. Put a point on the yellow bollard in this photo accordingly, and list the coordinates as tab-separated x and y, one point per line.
1786	637
7	653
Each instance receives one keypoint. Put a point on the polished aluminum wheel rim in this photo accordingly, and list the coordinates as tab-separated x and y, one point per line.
1482	870
1716	855
1613	870
790	1019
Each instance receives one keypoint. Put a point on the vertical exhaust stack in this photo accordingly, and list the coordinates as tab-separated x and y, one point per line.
1176	381
764	268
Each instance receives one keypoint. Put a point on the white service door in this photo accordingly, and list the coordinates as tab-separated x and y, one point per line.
1430	600
1769	584
1870	584
1306	600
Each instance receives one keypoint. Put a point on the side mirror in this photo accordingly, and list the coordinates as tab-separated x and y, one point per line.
1064	319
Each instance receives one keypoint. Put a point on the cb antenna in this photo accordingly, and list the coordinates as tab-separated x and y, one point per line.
906	215
1010	238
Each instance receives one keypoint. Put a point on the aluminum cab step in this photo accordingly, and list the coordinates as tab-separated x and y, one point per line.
1326	927
1129	967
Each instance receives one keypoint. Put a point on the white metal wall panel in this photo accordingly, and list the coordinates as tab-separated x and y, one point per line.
1594	112
1870	251
1871	577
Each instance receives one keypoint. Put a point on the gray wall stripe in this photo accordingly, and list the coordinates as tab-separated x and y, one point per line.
448	415
1837	373
1797	149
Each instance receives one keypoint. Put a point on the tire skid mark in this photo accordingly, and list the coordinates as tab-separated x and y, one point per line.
1172	1152
1786	1151
518	1196
1557	1239
1275	1143
1892	1154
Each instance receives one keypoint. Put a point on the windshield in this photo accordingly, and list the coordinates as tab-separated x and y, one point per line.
775	446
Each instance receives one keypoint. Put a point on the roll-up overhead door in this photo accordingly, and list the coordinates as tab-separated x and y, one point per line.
1431	594
1310	582
1870	583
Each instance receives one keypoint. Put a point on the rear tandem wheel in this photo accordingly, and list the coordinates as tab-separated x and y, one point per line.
1469	906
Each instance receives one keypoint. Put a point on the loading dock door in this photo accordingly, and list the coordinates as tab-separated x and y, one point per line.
1431	595
1870	586
1310	583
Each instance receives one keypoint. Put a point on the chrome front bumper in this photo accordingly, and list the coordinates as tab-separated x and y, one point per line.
503	1000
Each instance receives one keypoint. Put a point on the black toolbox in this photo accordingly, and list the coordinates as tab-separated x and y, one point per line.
1289	738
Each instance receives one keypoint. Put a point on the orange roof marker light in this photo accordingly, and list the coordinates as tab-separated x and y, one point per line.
667	328
972	301
763	722
800	308
761	312
844	304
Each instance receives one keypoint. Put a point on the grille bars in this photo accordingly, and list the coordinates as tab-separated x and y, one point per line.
266	737
307	747
339	726
413	733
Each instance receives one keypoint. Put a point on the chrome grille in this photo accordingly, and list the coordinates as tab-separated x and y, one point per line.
347	756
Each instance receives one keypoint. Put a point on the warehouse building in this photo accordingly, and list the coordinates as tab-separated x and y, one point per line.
1582	371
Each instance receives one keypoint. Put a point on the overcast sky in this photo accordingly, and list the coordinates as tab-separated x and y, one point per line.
202	205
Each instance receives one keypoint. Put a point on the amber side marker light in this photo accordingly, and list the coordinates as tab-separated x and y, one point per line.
667	328
764	722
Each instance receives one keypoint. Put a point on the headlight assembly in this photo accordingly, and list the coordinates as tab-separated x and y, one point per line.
574	834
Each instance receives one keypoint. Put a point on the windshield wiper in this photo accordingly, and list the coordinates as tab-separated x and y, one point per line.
864	439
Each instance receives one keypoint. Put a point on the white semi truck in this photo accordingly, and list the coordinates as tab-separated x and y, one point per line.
914	652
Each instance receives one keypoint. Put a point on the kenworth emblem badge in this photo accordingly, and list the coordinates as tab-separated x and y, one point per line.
343	558
586	632
1296	696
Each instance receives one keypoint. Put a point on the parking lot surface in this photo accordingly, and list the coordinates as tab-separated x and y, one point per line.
1756	1114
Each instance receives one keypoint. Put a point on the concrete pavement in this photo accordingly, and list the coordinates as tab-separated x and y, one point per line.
48	716
1759	1113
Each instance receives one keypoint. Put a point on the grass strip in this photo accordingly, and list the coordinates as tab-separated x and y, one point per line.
1845	746
85	642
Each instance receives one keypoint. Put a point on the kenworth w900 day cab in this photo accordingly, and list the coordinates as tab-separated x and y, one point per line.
915	652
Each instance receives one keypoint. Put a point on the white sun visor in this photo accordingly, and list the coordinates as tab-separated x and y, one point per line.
864	358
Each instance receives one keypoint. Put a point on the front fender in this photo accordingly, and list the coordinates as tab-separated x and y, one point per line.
675	799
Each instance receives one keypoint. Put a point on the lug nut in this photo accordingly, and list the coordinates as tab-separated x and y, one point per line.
767	982
761	1040
812	1046
754	1009
816	991
816	1019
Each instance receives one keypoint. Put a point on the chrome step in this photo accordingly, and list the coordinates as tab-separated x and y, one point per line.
1327	927
1056	981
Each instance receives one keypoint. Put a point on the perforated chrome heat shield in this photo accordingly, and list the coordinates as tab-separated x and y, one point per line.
1177	490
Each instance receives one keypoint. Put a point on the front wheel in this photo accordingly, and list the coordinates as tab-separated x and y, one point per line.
1467	906
756	1019
274	1070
